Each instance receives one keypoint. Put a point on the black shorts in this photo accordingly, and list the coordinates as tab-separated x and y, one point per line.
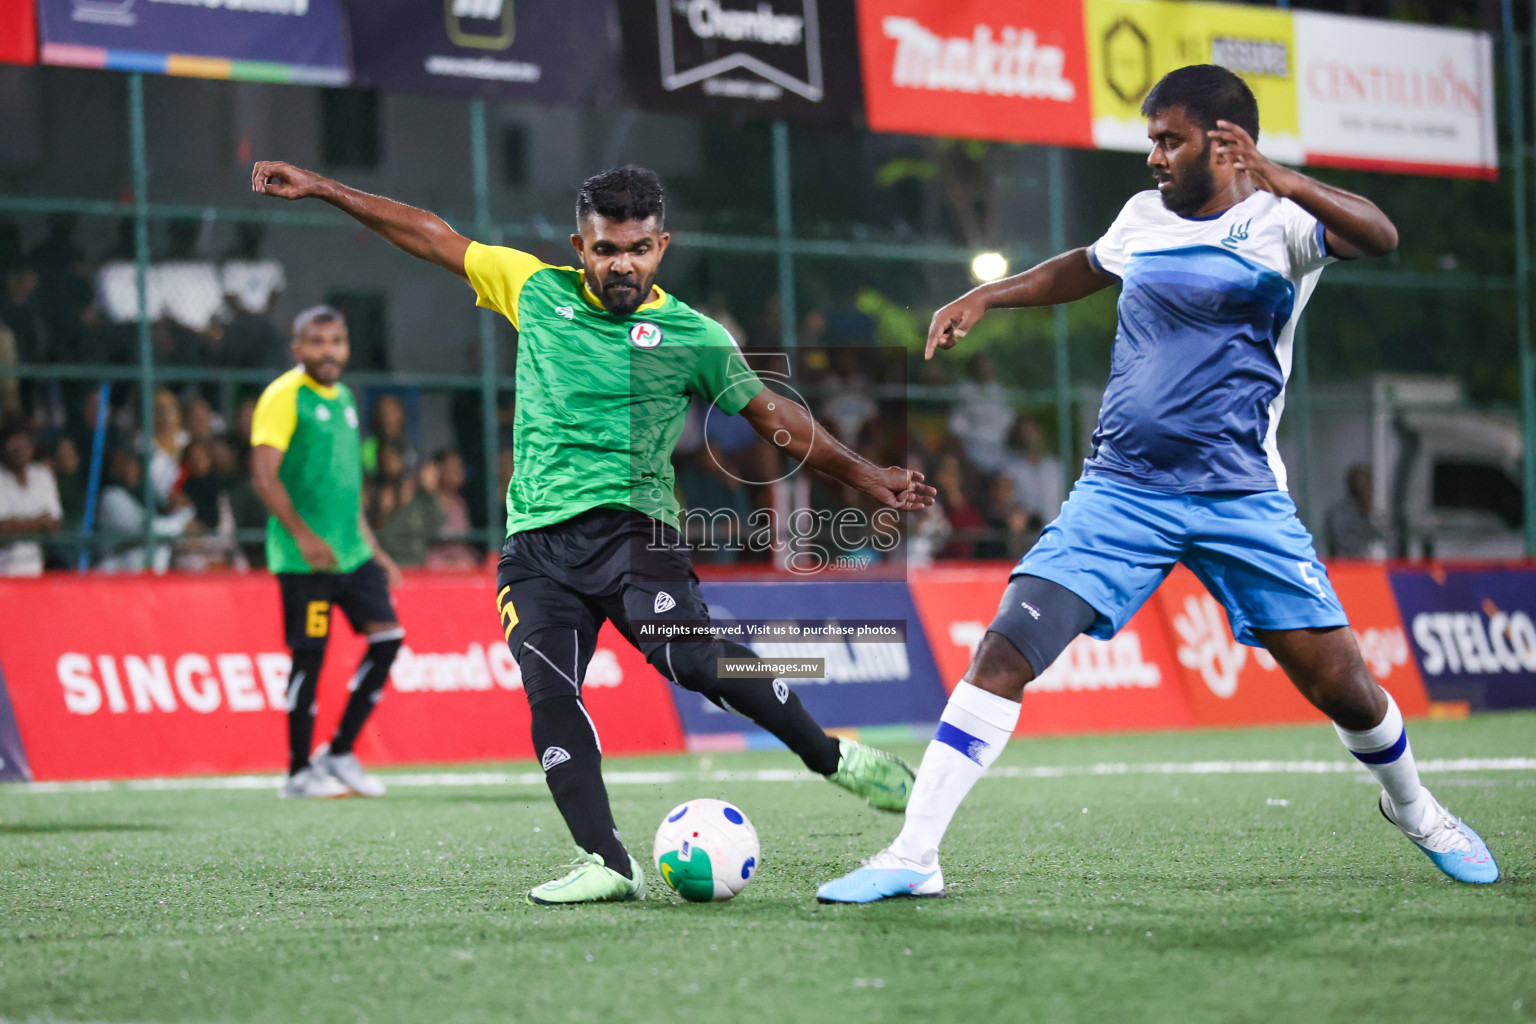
608	564
362	595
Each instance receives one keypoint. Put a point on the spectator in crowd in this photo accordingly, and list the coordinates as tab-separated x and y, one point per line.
1350	529
386	426
412	519
65	290
10	387
452	550
1036	474
29	502
966	522
1011	530
69	476
167	443
199	420
849	405
210	531
21	312
122	518
252	286
982	414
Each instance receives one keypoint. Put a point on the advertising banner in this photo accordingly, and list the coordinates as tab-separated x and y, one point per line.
758	58
114	678
1474	633
1128	683
553	52
1393	97
1133	43
865	683
297	41
1228	683
1009	70
18	32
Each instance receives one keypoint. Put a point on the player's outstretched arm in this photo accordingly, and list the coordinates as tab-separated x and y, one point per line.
790	427
1065	278
1355	226
424	235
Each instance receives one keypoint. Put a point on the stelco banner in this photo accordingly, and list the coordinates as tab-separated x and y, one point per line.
555	52
1349	92
1474	632
298	41
767	58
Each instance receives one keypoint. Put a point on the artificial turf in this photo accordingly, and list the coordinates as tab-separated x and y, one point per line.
1125	897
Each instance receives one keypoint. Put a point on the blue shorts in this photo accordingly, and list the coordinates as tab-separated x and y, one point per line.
1114	543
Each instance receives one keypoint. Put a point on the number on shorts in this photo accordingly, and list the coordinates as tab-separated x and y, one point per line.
317	620
1306	574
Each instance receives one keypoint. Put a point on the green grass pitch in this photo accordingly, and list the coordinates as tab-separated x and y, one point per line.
1124	897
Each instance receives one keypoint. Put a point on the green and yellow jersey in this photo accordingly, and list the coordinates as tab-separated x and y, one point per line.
315	427
601	399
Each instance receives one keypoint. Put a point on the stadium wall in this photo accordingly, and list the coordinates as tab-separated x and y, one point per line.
105	677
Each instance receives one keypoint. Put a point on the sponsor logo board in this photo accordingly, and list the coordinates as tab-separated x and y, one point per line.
188	675
1473	633
1009	70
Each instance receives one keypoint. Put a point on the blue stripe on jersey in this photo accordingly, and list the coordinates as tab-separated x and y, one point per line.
1386	756
971	746
1193	372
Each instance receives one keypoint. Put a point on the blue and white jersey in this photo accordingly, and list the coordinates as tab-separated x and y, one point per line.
1207	315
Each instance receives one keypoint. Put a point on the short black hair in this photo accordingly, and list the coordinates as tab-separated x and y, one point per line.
622	194
1208	93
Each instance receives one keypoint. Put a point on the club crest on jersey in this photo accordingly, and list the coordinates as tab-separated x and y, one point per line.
665	602
322	414
351	417
645	335
1237	235
566	311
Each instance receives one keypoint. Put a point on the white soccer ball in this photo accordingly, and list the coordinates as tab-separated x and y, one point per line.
706	850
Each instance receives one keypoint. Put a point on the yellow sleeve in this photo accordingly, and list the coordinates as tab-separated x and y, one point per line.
277	413
498	275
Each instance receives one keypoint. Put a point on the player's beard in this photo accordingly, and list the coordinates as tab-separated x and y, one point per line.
1194	188
622	302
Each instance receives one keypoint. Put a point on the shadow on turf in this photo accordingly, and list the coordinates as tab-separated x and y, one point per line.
23	828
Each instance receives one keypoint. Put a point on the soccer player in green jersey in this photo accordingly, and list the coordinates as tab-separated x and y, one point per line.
606	365
307	468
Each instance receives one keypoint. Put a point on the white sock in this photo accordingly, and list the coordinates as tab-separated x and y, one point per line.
1385	751
972	732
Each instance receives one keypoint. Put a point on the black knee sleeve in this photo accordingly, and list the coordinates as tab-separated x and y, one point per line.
1041	618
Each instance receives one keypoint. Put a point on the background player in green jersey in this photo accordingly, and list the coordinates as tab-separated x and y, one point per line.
606	365
307	468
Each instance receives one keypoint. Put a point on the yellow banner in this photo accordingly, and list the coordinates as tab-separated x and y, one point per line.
1133	43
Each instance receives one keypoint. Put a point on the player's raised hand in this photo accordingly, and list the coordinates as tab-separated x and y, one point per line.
953	322
1234	141
285	181
901	488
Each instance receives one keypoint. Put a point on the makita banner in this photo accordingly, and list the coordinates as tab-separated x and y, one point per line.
767	58
298	41
18	32
566	52
116	677
1128	683
1474	633
863	683
1010	70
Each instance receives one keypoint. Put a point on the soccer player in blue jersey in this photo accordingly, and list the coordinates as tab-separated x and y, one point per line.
1215	266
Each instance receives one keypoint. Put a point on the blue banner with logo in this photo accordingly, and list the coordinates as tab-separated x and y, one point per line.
295	41
13	756
1474	633
865	683
534	49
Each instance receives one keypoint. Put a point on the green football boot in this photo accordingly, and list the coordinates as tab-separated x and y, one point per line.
591	881
883	779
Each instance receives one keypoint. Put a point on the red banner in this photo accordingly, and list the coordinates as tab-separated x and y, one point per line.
1009	70
124	677
1228	683
18	31
1128	683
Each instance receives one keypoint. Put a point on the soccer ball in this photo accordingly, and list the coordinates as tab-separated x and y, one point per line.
706	850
